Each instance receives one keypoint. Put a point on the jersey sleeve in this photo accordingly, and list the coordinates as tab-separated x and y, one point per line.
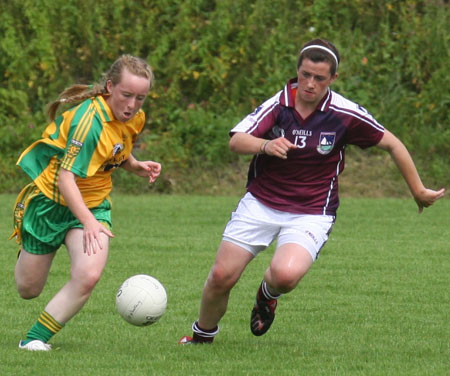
83	141
364	131
261	120
362	128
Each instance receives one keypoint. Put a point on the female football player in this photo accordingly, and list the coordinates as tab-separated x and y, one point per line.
68	200
298	138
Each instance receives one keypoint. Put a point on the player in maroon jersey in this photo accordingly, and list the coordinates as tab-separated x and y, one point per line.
298	138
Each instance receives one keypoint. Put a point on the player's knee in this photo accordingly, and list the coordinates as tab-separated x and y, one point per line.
87	280
28	291
221	278
284	280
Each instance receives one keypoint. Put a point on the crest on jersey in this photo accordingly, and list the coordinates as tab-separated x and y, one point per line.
74	148
117	148
326	142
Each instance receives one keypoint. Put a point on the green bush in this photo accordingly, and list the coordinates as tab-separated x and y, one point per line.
215	61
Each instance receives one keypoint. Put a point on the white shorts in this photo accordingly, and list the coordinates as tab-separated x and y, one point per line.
254	226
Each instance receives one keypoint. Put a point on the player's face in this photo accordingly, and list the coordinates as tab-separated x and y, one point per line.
313	81
128	96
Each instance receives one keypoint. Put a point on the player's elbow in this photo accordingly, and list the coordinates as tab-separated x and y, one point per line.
232	143
241	143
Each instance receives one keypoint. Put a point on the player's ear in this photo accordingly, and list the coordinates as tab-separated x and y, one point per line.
109	86
334	78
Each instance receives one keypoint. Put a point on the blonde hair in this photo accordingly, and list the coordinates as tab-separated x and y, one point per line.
78	92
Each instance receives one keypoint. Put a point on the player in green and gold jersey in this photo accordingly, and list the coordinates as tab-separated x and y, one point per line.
68	201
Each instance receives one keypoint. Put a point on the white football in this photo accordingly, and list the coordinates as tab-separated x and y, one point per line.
141	300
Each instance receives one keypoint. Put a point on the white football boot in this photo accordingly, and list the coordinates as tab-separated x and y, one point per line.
35	345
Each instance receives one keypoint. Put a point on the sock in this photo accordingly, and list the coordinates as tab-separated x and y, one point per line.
202	335
267	293
44	328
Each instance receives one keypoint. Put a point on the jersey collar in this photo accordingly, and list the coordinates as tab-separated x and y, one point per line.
103	109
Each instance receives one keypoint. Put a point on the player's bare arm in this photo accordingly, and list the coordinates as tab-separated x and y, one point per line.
74	200
423	196
244	143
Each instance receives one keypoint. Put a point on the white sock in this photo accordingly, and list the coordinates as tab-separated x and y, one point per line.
269	292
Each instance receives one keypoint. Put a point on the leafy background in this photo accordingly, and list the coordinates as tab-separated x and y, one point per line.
215	61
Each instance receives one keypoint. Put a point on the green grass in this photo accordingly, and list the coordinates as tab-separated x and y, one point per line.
375	303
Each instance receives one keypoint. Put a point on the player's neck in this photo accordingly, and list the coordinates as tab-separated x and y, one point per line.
304	108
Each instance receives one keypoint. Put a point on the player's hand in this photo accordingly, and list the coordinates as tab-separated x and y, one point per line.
154	171
92	242
148	169
427	197
279	147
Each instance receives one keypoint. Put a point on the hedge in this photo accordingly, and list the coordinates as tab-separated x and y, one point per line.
215	61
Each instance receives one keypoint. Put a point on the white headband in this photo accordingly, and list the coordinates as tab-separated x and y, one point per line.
322	48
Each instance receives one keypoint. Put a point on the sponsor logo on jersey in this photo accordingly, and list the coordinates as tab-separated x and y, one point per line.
110	166
326	142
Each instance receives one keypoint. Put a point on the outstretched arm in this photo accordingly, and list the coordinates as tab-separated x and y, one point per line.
424	197
144	169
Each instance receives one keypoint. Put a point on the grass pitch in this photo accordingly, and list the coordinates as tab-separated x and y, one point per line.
375	303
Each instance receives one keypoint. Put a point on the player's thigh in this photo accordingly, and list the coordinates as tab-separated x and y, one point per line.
32	269
84	265
290	262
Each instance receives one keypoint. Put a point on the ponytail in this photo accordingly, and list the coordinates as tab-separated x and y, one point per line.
74	94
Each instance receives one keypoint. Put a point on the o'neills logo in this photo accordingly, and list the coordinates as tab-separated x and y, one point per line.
326	142
76	143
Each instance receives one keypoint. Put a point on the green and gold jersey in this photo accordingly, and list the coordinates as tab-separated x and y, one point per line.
87	141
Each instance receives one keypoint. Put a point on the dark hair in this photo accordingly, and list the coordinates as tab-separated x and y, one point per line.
317	54
78	93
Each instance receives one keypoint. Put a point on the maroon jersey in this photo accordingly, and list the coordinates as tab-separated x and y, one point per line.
307	181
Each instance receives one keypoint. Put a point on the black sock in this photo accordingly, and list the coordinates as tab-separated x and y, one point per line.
204	335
